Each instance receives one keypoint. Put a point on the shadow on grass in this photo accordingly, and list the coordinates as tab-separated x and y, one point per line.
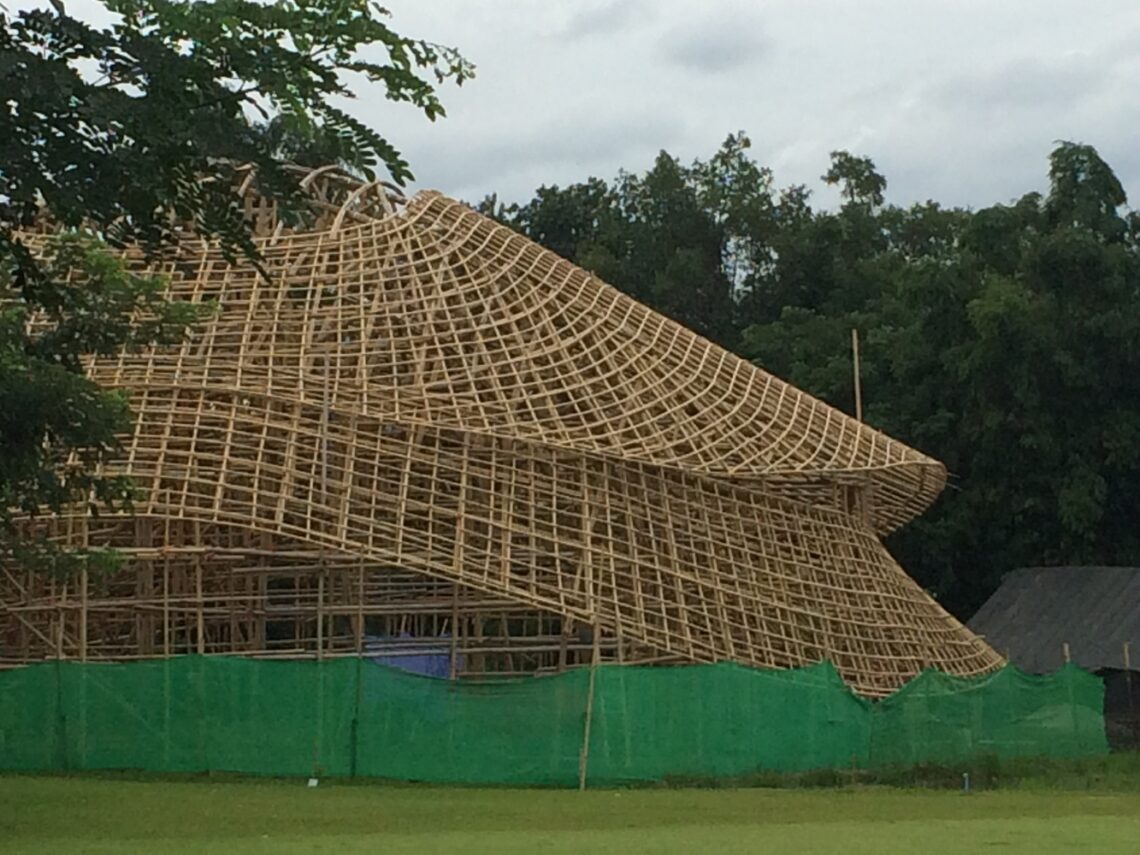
1118	773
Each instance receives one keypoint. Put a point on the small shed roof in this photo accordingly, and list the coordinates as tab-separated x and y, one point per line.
1037	610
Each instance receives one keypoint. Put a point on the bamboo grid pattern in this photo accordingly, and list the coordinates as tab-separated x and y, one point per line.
424	429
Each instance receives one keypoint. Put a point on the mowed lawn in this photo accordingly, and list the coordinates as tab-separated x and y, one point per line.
101	815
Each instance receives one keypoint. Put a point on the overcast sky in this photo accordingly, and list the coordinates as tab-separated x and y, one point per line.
955	100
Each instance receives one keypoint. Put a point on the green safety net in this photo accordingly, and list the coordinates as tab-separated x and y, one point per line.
1008	713
519	732
346	717
722	720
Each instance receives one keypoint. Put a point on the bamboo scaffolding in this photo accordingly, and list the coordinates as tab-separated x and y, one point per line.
422	424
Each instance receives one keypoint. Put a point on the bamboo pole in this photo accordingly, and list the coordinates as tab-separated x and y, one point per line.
199	600
855	367
452	653
321	615
565	630
585	556
59	651
83	599
166	606
359	640
1128	673
584	754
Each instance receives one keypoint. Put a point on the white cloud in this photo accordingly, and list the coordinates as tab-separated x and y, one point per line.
959	100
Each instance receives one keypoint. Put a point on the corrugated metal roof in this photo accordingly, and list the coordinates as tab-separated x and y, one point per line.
1037	610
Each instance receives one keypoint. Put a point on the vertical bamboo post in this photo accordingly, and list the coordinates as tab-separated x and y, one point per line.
563	641
360	610
592	601
324	435
324	431
1128	673
321	612
1072	699
856	370
198	596
166	605
584	755
453	666
166	580
318	738
62	603
83	613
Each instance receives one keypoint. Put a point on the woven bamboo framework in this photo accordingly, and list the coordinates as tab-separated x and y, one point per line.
422	428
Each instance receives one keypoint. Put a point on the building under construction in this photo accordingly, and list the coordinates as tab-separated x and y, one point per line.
422	436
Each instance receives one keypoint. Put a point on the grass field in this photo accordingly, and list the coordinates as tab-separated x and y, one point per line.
99	815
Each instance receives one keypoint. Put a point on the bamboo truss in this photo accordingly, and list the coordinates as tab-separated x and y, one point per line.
423	429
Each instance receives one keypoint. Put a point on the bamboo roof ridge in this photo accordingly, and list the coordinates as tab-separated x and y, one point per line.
415	386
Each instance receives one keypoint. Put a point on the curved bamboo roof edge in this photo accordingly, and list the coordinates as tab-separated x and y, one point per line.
752	428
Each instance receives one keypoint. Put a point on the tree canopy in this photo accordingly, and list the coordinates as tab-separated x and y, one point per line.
1003	341
122	134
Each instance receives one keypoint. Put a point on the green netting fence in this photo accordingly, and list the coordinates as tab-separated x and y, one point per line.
345	717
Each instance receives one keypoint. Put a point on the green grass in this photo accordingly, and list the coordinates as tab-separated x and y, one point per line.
1117	773
106	815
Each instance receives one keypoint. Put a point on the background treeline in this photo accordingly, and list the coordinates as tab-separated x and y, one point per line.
1003	341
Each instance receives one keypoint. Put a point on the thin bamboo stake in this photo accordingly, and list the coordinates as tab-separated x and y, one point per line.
321	615
83	613
166	603
201	623
857	372
584	754
452	663
1128	673
359	629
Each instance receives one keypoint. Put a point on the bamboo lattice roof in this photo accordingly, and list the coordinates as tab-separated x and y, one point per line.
417	385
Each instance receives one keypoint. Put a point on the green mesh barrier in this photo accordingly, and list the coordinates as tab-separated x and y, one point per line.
502	732
352	717
144	715
722	720
296	718
936	718
31	728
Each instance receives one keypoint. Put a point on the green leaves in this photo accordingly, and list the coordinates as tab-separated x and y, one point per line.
1084	192
56	426
124	135
675	237
860	183
176	84
1004	341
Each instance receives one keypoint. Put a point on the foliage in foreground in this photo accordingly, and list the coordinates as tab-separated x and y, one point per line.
127	134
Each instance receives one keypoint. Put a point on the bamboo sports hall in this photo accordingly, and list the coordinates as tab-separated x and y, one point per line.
421	437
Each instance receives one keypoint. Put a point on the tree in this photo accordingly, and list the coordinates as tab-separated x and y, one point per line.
673	237
117	136
861	184
1004	342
